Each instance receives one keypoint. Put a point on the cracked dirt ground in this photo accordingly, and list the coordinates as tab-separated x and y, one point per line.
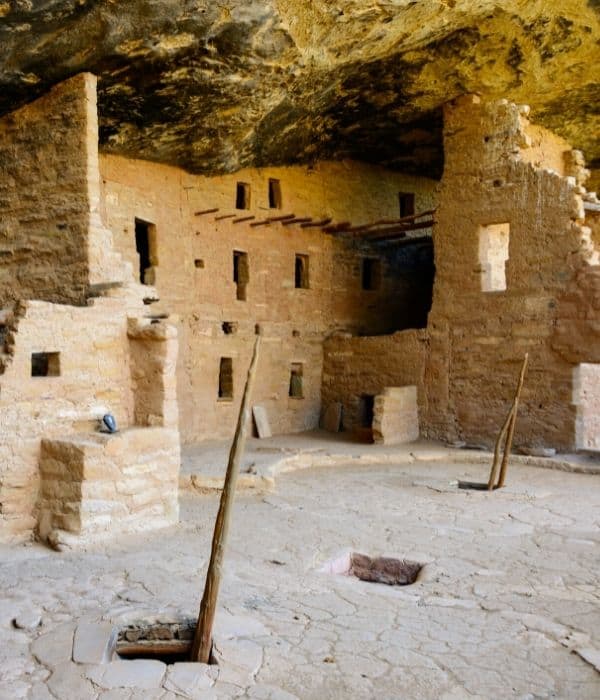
507	606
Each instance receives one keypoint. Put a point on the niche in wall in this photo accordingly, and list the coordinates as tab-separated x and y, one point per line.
145	245
296	390
301	280
241	273
226	378
45	364
493	254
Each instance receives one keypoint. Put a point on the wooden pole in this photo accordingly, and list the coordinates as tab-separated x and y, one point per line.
202	644
511	427
507	430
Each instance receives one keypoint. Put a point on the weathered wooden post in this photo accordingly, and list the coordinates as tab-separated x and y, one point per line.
507	430
202	644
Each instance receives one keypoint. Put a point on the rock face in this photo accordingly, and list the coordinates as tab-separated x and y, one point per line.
214	87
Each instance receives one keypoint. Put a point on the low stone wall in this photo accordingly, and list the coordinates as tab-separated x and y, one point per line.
96	485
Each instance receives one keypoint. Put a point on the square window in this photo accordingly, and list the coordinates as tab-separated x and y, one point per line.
45	364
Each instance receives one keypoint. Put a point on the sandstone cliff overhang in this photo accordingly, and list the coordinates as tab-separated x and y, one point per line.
213	87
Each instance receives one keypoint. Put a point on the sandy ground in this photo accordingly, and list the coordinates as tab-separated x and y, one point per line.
508	604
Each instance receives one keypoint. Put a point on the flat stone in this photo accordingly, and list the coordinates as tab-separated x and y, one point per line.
228	626
28	620
55	647
94	643
40	692
239	660
68	682
261	420
137	673
538	451
332	418
189	678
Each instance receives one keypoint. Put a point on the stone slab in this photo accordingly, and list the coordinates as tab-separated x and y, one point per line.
261	420
137	673
94	643
332	418
189	678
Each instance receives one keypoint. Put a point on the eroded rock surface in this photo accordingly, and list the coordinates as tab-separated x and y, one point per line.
217	86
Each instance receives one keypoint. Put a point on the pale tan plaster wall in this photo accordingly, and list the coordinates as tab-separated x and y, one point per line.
295	321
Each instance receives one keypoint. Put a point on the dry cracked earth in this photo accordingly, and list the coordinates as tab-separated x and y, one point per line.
507	606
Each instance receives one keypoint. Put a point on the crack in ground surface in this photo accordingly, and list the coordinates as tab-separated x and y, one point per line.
508	593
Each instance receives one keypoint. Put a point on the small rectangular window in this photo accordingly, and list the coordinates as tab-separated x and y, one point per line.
226	378
406	201
296	388
45	364
241	273
493	254
145	244
274	194
371	273
301	271
242	195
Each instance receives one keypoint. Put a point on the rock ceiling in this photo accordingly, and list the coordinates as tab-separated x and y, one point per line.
215	86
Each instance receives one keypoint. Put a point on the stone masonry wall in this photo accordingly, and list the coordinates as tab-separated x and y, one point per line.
483	335
193	265
48	203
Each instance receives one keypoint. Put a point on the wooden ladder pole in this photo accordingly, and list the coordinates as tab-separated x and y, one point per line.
202	644
511	427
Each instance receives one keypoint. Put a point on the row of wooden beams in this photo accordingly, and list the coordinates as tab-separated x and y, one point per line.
347	227
405	241
383	234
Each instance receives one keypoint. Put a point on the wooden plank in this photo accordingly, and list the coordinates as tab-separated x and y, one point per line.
206	211
400	231
284	217
243	218
225	216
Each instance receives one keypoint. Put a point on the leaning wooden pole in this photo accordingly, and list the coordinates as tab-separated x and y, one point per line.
507	431
511	427
202	644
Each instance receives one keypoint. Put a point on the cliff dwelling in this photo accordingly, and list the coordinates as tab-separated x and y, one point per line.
399	199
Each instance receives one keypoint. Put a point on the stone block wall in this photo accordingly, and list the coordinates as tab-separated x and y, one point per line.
49	196
355	367
490	181
193	274
100	485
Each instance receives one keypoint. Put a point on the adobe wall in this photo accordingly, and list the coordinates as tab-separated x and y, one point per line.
49	196
295	321
64	365
483	335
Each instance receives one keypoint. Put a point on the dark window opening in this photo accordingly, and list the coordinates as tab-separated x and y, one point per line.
366	407
407	203
242	195
241	273
301	272
371	273
274	194
199	263
3	334
296	389
226	378
229	327
45	364
145	244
